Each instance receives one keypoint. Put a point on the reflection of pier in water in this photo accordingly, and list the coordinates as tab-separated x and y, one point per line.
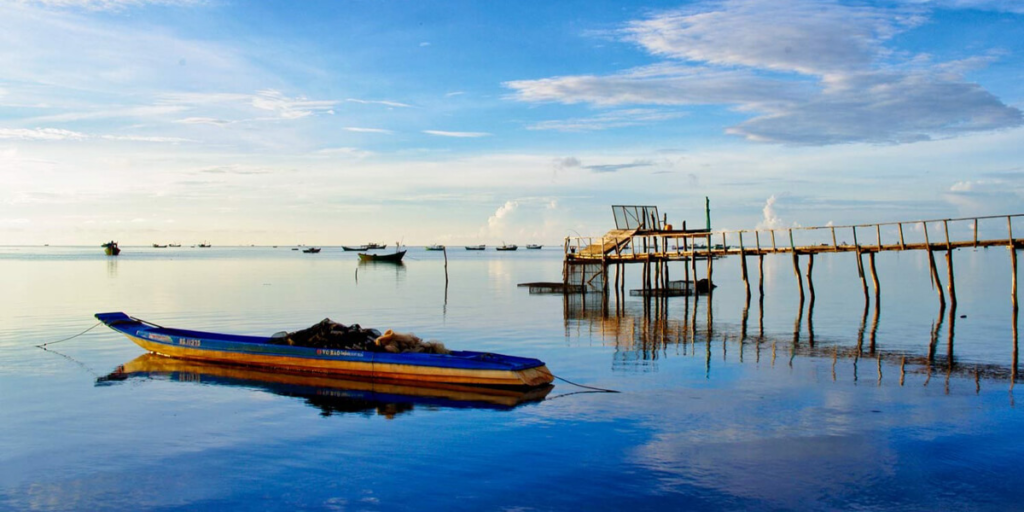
643	236
642	332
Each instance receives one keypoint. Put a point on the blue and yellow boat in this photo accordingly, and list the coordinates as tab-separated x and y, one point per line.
456	367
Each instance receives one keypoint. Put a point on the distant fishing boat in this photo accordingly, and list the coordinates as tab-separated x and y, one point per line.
311	250
437	247
158	246
455	367
534	246
174	245
371	246
395	257
507	247
111	249
204	244
355	247
475	247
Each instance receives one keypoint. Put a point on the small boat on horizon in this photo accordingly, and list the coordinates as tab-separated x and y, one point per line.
371	246
534	246
507	247
311	250
355	247
158	246
436	247
111	249
174	245
372	361
475	247
204	244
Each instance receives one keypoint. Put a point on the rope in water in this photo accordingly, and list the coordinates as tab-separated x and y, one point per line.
585	387
71	338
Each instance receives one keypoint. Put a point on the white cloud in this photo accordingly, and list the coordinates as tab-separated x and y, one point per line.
456	134
382	102
608	120
109	5
40	134
810	73
366	130
204	120
142	138
496	222
770	219
290	108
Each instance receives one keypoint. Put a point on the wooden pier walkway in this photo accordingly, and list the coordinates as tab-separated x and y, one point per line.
642	236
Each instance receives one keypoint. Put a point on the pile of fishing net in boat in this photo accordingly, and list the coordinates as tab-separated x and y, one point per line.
330	334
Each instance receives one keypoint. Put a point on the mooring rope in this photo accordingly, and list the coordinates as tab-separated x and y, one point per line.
585	387
43	346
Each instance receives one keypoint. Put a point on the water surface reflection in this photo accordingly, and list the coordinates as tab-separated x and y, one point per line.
332	395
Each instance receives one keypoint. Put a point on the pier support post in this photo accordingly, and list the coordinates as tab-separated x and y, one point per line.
743	268
1013	274
874	278
760	275
860	266
799	278
810	281
935	271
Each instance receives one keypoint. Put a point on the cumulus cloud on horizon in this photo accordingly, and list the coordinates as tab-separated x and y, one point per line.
808	72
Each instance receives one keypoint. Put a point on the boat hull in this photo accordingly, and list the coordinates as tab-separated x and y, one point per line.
393	258
473	368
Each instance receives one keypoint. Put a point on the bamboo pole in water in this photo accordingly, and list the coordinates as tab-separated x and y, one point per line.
951	285
1013	271
860	265
810	281
799	278
874	278
743	268
934	270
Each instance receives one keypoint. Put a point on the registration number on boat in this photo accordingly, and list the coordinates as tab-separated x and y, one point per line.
188	342
330	352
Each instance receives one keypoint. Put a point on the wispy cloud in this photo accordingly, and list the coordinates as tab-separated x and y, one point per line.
366	130
809	72
608	120
204	120
109	5
603	168
58	134
40	134
441	133
291	108
345	151
379	102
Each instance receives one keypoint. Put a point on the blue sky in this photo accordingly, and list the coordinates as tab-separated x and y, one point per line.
480	122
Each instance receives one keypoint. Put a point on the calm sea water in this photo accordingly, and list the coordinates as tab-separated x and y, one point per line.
781	408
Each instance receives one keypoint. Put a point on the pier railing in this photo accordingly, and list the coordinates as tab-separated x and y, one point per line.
934	234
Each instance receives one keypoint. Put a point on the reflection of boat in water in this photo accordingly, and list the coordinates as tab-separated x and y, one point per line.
436	247
330	394
111	249
459	367
475	247
395	257
311	250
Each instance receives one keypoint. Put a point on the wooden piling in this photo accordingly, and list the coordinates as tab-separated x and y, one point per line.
743	268
934	270
951	284
1013	270
760	275
860	265
799	278
810	281
874	278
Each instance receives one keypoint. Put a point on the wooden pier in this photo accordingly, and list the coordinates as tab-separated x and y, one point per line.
642	236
